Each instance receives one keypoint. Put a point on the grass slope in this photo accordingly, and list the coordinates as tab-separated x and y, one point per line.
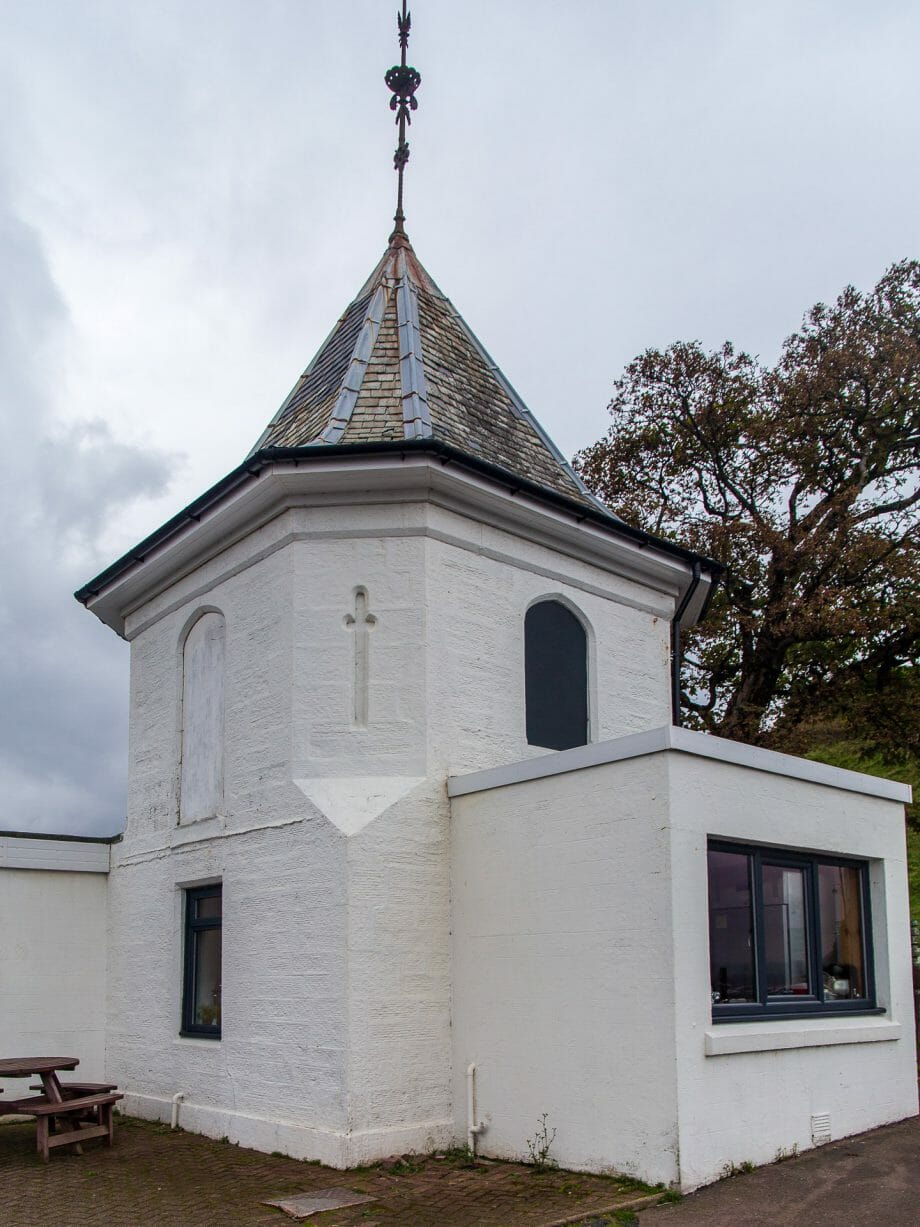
854	757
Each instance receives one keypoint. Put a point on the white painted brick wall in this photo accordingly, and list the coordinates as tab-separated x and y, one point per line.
337	976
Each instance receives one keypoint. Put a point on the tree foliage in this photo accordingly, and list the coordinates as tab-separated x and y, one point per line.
803	479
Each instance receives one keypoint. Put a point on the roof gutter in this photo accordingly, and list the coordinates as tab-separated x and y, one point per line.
252	468
71	839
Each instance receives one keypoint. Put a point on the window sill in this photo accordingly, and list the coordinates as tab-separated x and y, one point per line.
196	1037
777	1035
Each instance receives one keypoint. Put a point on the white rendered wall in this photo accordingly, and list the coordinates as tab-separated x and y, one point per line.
276	1078
737	1107
333	843
481	581
53	967
529	855
563	968
375	783
335	1028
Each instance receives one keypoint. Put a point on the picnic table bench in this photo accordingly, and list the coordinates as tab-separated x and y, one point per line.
50	1114
65	1115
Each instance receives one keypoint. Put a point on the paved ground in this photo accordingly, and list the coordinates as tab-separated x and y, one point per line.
154	1177
158	1178
872	1180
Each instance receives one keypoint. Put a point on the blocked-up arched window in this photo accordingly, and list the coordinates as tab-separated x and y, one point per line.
202	777
555	676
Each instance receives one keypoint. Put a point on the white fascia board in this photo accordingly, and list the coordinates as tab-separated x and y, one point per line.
683	741
493	503
74	856
375	479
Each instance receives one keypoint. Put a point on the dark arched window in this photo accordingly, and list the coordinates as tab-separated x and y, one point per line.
555	677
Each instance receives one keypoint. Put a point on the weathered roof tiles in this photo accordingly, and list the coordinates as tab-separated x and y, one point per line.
402	364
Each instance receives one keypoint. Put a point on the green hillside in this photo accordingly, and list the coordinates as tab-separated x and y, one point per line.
855	757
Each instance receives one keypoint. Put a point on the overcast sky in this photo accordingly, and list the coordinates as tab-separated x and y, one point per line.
191	191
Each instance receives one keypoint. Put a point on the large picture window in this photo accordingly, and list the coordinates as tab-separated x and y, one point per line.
201	989
788	933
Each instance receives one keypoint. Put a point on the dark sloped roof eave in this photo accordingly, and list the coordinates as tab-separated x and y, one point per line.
254	465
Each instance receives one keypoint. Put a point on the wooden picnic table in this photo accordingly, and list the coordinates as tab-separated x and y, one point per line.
65	1116
42	1067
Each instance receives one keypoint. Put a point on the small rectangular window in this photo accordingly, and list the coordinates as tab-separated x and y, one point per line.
202	980
788	933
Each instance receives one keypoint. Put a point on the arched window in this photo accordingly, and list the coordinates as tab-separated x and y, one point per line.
202	778
555	677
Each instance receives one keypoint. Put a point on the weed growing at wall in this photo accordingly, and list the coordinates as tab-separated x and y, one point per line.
539	1146
737	1169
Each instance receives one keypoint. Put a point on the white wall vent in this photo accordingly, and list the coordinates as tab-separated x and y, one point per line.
821	1128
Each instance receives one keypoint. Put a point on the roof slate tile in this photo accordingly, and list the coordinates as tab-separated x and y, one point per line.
404	365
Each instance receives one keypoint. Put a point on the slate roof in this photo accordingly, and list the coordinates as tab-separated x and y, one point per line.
402	364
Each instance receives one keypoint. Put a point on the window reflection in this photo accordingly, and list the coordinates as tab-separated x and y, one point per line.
206	1005
788	933
201	1005
785	931
841	932
731	934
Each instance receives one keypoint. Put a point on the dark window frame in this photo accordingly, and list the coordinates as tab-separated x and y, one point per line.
776	1007
193	925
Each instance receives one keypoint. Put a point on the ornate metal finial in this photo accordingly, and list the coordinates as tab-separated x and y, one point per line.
403	81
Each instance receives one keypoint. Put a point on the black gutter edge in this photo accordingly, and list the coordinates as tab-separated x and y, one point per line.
71	839
252	467
676	653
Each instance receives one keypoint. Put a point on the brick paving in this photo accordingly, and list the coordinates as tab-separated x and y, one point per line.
157	1177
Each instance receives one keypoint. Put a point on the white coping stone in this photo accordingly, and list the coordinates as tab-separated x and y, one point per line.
69	855
684	741
776	1036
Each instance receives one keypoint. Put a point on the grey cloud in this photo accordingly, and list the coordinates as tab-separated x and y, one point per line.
86	472
63	676
212	182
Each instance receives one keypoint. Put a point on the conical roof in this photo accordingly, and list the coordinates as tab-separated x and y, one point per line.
402	364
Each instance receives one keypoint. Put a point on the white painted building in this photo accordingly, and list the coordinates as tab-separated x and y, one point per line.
582	957
405	799
53	949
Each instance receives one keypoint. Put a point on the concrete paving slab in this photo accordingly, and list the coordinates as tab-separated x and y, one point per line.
303	1205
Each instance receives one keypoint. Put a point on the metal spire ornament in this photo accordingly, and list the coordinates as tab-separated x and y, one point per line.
403	80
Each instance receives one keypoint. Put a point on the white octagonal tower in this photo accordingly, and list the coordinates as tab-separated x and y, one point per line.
316	644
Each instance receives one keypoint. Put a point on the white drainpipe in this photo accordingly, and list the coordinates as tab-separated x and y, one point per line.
472	1128
176	1100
